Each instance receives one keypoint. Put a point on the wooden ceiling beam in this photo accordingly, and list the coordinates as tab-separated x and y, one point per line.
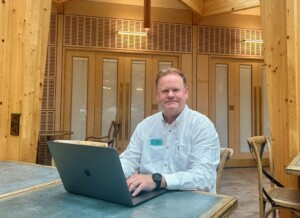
59	1
225	6
195	5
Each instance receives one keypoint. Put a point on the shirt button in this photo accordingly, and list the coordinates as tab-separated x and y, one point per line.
167	147
169	130
165	165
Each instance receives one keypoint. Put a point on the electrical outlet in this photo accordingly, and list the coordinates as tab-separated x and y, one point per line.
15	124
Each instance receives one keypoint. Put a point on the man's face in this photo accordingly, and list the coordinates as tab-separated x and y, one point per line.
171	94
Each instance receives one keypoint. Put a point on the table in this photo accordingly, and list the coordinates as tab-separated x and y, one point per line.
294	167
52	200
50	135
18	177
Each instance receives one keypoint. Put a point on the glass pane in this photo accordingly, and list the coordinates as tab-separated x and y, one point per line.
266	121
164	65
138	75
245	106
222	103
79	98
109	88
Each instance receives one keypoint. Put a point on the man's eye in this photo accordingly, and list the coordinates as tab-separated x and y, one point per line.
175	90
165	91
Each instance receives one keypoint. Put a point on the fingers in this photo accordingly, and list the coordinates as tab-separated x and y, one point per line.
137	190
134	186
137	183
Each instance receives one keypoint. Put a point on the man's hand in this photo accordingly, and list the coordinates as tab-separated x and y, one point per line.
139	182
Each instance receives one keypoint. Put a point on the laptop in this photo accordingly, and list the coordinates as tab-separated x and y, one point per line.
95	172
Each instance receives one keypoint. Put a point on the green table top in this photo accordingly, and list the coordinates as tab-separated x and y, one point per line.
19	176
56	202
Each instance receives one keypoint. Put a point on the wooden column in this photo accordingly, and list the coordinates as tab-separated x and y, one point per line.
280	24
24	33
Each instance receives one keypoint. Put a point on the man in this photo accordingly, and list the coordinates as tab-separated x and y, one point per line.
177	148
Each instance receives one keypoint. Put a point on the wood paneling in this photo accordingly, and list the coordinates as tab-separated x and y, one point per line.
194	5
226	6
24	34
202	84
229	41
187	68
100	32
122	11
233	20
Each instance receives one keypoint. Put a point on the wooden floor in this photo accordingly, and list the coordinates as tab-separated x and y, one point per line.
242	183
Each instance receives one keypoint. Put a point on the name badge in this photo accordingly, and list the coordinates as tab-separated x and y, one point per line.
156	142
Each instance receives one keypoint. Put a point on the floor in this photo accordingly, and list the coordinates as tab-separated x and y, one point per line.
242	183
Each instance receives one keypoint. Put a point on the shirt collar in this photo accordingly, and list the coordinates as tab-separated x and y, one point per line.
178	119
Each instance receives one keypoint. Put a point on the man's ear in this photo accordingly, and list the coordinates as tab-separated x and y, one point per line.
156	93
187	92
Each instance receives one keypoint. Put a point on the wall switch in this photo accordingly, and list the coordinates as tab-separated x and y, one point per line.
15	124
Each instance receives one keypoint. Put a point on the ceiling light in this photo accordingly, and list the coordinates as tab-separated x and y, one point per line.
253	40
132	33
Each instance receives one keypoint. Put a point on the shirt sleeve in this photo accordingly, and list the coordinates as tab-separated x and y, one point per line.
130	158
204	160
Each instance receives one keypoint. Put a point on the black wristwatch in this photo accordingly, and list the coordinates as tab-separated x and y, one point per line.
157	179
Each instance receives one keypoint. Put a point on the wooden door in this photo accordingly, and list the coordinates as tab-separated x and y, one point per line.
101	86
122	93
78	92
238	104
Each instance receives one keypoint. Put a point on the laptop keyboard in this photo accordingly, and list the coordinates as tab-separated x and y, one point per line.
146	195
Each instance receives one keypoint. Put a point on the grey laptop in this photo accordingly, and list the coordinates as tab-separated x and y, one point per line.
95	172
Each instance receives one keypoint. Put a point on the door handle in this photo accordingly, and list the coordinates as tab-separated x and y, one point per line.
127	113
121	108
254	118
260	111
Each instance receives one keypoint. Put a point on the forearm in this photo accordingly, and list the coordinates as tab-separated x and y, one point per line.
163	183
200	179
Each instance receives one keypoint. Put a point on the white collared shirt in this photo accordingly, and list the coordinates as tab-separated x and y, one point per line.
186	153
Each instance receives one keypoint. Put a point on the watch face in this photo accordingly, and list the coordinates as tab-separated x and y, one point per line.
156	177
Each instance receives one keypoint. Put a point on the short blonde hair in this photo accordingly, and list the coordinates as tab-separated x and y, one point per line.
169	70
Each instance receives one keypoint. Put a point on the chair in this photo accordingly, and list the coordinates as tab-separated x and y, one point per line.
277	195
110	138
225	155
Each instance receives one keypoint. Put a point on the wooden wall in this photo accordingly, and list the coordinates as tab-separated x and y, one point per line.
24	33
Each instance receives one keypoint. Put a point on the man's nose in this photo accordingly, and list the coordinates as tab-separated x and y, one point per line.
170	93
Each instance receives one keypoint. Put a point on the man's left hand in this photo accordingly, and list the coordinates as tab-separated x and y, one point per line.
139	182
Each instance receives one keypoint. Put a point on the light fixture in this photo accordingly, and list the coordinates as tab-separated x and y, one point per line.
147	14
131	33
147	24
253	40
